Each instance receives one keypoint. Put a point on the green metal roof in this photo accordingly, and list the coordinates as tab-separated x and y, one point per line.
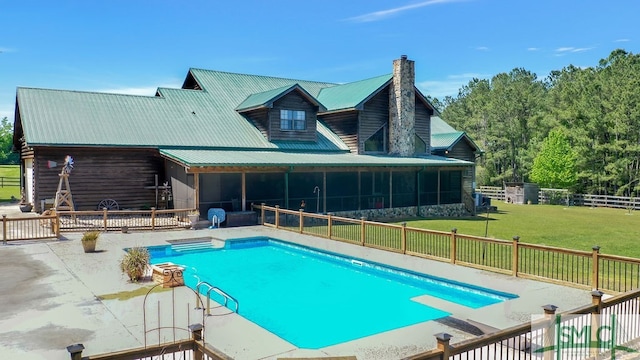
444	136
351	95
176	118
445	141
267	98
197	158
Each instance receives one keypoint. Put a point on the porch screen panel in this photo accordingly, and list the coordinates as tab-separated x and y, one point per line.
221	191
301	187
404	189
451	187
429	188
342	191
265	188
374	189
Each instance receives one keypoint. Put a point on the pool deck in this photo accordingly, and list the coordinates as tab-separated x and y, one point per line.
49	294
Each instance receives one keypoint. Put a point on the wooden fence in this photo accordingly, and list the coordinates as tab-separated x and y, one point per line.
583	269
561	196
50	226
530	340
188	349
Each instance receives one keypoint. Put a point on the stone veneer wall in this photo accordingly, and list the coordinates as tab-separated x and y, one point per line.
448	210
402	108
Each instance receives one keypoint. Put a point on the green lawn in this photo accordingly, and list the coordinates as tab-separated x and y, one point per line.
9	171
616	231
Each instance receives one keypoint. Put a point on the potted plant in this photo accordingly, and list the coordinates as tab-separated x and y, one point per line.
24	205
135	263
194	216
89	241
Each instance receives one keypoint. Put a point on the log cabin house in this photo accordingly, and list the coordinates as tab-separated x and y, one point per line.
227	140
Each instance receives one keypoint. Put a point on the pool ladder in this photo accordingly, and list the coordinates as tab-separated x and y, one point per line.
218	291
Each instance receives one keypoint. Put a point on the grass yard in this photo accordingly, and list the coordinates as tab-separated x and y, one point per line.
616	231
11	175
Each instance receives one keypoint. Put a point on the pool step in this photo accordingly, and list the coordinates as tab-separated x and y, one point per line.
193	246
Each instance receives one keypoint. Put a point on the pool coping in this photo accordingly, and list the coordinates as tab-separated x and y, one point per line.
112	325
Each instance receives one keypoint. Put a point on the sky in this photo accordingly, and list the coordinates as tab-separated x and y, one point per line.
136	46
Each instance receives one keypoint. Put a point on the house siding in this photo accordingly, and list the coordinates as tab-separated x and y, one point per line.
345	125
260	119
293	101
374	116
118	174
423	123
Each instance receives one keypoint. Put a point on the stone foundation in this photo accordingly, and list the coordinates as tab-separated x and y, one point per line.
448	210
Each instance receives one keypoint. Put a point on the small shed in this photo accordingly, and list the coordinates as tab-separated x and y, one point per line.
521	193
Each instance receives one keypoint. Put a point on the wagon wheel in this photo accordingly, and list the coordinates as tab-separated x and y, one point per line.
109	204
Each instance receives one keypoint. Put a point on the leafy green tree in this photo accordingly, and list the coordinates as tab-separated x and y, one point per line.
555	164
7	156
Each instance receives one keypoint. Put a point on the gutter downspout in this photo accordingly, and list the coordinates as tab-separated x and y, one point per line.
286	187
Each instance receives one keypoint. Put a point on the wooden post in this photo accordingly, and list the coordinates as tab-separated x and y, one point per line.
75	351
4	229
329	225
362	235
596	299
301	221
595	267
403	238
443	344
277	216
196	335
153	218
104	218
454	244
549	336
56	223
262	213
514	259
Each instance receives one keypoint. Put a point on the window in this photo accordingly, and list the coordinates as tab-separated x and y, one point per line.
377	142
421	146
292	120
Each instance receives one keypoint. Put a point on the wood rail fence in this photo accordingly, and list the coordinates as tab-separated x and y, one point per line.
583	269
562	196
50	226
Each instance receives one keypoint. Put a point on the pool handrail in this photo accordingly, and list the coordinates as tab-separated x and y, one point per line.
219	291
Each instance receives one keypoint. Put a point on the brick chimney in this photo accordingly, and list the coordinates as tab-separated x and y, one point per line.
402	108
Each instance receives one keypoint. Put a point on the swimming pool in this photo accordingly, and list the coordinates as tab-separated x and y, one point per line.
315	299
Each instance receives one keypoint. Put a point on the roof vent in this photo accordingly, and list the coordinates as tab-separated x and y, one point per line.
403	57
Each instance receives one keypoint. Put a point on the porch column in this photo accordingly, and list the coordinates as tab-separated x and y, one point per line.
286	190
359	190
418	192
244	191
439	181
196	190
390	189
324	192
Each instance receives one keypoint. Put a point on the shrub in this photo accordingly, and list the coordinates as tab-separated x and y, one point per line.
135	262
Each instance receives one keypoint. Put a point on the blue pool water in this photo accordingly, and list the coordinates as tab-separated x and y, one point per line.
315	299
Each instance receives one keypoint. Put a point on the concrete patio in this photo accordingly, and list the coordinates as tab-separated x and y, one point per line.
52	292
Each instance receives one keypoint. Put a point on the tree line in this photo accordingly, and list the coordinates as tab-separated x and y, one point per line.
578	129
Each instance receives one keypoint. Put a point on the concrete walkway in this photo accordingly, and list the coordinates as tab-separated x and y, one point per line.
52	296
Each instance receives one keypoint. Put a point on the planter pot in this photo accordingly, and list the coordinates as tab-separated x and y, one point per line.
89	246
194	220
26	208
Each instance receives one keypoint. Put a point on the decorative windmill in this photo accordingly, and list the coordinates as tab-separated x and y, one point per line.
64	200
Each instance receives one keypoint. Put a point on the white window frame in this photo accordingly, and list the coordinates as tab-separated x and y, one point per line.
293	120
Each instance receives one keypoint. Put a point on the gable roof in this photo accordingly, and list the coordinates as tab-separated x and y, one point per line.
352	95
445	137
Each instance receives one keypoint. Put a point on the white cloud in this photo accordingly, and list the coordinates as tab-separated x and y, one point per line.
449	86
6	50
570	49
144	90
6	110
383	14
621	40
533	49
482	48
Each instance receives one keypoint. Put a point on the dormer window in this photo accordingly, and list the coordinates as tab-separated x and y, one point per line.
292	120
